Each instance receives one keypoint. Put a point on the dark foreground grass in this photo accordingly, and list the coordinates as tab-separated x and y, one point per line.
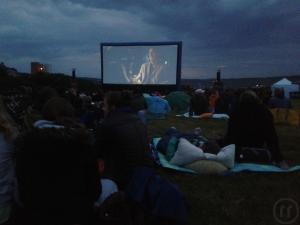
245	198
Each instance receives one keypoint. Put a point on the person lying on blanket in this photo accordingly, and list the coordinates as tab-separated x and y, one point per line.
171	137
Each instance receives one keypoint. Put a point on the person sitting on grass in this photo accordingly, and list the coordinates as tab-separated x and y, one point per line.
121	140
251	125
57	170
198	103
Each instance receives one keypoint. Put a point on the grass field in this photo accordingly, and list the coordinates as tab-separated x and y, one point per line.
244	199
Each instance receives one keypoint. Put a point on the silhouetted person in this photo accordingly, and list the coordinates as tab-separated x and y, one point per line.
199	103
57	170
121	139
43	96
251	125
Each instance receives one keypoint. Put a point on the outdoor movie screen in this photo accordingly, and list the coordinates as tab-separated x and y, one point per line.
141	63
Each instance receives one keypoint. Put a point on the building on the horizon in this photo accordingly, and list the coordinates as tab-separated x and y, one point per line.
37	67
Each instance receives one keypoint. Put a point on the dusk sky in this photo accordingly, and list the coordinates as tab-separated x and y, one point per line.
243	37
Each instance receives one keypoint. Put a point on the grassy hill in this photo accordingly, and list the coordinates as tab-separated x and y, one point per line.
244	198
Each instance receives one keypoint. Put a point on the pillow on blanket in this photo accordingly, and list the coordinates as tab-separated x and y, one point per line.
207	167
186	153
225	156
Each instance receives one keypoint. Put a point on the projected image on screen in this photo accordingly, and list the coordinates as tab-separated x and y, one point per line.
145	65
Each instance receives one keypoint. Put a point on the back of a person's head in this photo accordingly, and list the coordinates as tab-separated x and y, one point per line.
112	99
44	95
126	99
199	96
58	108
249	97
119	99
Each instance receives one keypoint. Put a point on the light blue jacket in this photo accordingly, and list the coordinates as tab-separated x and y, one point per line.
157	105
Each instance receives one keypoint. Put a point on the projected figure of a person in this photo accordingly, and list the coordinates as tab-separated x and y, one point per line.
150	71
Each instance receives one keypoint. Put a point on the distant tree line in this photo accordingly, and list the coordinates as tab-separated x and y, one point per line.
35	82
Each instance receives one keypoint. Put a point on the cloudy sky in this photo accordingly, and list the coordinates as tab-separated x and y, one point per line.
243	37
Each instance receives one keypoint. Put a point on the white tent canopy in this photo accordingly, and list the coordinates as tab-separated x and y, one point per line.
287	85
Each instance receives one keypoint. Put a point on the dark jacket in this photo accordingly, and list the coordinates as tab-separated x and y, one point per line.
121	140
57	176
158	197
251	125
199	104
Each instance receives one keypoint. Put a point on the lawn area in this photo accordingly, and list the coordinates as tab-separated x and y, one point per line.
245	199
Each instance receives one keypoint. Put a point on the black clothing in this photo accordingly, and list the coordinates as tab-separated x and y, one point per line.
57	176
199	104
251	125
222	105
121	140
138	103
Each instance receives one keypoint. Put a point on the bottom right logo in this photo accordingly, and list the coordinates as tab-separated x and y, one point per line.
286	211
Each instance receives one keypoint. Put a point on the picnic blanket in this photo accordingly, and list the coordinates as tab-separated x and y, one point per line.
163	162
239	167
252	167
204	115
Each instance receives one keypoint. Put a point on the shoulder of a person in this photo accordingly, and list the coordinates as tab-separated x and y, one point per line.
144	65
115	118
51	132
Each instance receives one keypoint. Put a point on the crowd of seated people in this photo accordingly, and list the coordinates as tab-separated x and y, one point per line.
212	101
49	172
73	152
64	171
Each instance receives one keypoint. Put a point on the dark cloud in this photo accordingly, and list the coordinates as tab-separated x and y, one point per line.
244	37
